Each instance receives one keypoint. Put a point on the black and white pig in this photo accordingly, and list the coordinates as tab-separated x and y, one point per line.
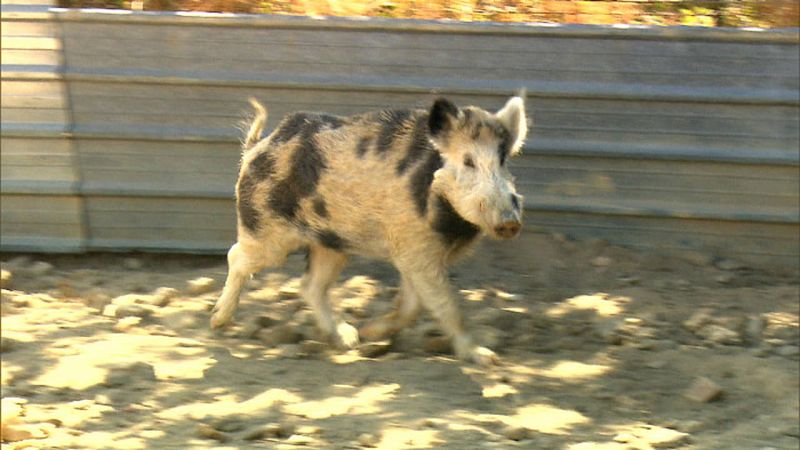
415	187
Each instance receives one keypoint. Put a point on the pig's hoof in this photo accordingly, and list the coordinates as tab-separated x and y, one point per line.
484	356
220	318
347	335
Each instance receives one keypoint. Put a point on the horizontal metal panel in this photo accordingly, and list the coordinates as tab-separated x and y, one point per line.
680	34
668	188
161	223
158	169
763	244
54	221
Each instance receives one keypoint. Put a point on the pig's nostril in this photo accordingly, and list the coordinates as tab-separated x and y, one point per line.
508	229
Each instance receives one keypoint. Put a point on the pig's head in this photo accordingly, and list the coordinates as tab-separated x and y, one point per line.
475	146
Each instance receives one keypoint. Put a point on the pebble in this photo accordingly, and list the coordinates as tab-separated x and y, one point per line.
162	296
374	349
40	268
130	310
208	432
729	264
8	344
368	440
230	424
5	279
126	323
127	374
724	278
202	285
703	390
279	334
659	437
698	319
132	263
515	433
312	347
754	328
718	334
601	261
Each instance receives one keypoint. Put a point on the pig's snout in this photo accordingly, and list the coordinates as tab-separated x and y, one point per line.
509	226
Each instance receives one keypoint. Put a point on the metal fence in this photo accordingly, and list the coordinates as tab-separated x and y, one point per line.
119	128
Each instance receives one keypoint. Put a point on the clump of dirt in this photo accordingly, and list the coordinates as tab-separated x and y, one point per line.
601	347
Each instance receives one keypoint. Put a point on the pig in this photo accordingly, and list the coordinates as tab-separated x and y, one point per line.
417	188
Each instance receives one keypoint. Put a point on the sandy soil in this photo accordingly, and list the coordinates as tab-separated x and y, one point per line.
602	348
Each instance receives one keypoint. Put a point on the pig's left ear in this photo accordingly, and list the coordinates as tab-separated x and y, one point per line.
512	116
442	118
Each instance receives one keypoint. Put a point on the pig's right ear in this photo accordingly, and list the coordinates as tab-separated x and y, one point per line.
442	118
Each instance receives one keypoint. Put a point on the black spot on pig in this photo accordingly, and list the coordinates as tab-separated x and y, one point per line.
504	148
363	146
422	178
248	213
453	228
418	144
392	122
320	208
442	116
262	166
331	240
307	165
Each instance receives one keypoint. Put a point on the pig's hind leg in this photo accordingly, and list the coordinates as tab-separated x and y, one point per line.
248	256
324	267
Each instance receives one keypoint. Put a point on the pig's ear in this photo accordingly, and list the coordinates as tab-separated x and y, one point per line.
442	118
512	116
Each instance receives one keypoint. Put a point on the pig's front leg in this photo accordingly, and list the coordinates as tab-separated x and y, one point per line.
436	294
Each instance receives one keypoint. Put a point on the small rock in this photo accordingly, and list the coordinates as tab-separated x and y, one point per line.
8	344
515	433
729	265
754	328
279	334
290	289
40	268
601	261
163	295
132	263
718	334
266	321
703	390
724	278
312	347
5	279
788	351
206	431
696	258
699	319
202	285
368	440
374	349
128	374
131	310
659	437
126	323
656	364
300	440
230	424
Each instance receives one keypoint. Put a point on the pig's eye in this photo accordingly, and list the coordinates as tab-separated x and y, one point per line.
469	162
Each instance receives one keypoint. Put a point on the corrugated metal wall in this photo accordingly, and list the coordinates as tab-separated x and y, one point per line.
119	129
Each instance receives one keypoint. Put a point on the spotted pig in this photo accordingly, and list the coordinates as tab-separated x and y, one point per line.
415	187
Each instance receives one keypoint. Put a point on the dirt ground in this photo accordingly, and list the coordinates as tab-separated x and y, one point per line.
601	347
